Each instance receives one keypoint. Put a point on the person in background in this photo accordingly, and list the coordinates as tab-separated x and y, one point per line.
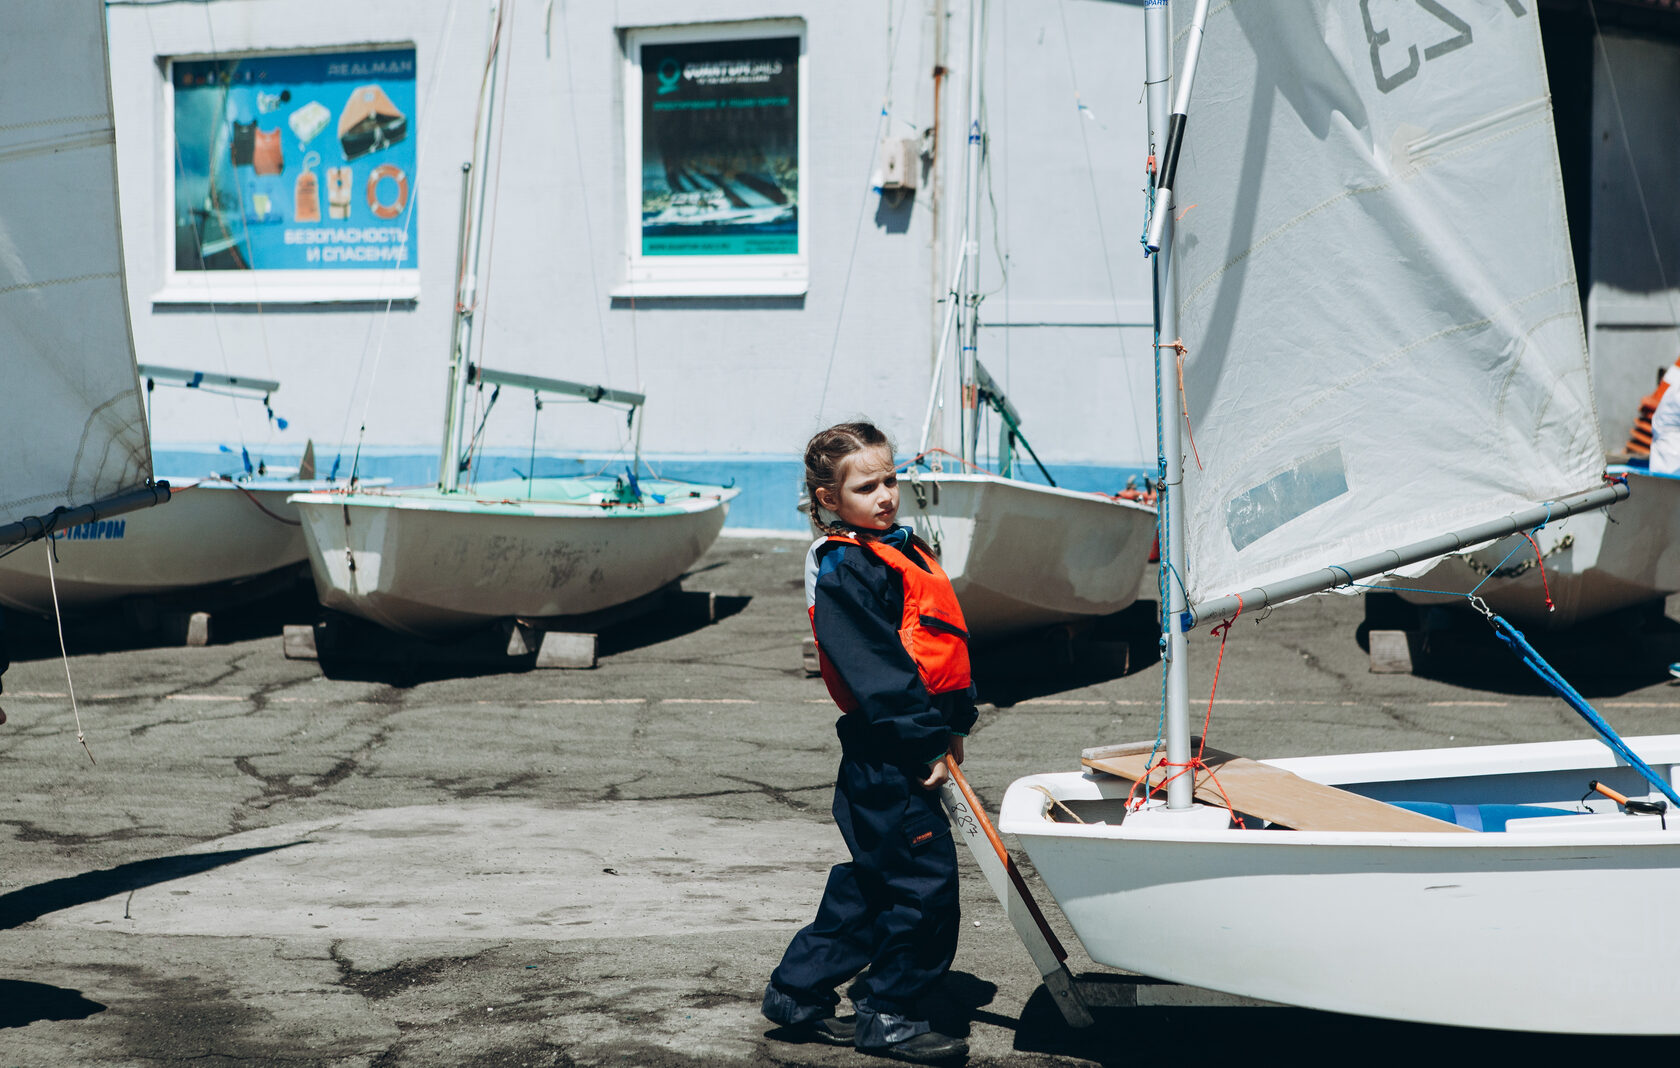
893	648
1665	427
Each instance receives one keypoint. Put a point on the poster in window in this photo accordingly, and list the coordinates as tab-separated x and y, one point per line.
720	148
295	162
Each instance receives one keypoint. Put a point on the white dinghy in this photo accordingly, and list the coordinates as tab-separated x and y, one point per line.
427	562
1578	569
227	538
1021	555
1386	364
71	405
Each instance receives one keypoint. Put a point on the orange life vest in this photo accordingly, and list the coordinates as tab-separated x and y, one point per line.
932	627
1639	439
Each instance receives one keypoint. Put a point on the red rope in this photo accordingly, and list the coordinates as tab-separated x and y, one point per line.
1197	761
1544	585
260	507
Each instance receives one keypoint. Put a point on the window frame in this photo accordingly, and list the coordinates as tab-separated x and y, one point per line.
280	285
756	275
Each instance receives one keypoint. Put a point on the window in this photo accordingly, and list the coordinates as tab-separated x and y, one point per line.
293	177
716	153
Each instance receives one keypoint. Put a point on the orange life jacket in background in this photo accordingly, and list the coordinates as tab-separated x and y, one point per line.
932	627
1639	439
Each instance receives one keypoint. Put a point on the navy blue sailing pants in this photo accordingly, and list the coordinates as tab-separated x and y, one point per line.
892	908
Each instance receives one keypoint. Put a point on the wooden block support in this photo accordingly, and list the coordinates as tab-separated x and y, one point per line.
298	642
1391	652
1269	793
560	649
698	605
808	657
198	629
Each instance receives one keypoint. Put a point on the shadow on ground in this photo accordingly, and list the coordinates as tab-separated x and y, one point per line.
355	650
1058	659
1128	1035
1601	658
22	1003
32	902
161	622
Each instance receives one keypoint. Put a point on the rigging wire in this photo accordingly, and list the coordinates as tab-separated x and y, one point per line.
198	233
1101	229
379	325
63	651
1633	166
881	123
589	235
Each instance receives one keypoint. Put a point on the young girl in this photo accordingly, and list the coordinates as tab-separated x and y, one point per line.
894	652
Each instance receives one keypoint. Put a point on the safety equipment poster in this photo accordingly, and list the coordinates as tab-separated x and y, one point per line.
720	147
295	162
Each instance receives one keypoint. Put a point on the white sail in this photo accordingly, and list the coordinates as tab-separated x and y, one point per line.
70	403
1375	285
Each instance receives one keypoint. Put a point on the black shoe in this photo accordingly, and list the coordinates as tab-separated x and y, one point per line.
834	1030
930	1047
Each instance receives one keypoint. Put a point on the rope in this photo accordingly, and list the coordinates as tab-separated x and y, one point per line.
1545	585
260	506
64	653
1177	345
1197	761
1519	645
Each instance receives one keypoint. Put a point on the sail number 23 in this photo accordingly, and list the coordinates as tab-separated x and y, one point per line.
1391	74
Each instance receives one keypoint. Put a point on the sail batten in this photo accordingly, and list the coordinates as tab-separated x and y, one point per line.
74	417
1370	245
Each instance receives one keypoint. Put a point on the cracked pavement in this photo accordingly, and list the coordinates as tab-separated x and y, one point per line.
270	866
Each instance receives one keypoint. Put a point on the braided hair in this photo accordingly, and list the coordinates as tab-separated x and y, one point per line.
824	454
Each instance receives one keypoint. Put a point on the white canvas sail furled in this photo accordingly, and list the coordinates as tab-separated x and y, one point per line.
1372	229
70	402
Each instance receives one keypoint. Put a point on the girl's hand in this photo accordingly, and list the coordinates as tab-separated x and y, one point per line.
937	779
940	772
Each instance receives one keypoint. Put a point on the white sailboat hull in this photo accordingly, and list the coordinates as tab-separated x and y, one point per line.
1595	564
1564	924
213	533
426	564
1022	555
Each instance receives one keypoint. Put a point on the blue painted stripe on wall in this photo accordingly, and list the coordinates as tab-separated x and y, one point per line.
769	485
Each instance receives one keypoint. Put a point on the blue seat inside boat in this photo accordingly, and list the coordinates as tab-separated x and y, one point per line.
1481	817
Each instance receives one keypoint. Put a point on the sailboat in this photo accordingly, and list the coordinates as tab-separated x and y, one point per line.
228	537
1021	555
432	561
1579	569
71	406
1386	363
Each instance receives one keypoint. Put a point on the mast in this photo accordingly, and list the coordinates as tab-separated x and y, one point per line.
970	331
1157	36
474	181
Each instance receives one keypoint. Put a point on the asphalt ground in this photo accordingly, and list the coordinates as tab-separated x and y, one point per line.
426	861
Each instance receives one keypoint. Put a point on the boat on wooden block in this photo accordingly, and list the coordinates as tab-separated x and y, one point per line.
433	561
426	562
1021	555
229	538
1385	356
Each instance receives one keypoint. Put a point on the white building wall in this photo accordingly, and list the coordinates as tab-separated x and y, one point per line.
1066	327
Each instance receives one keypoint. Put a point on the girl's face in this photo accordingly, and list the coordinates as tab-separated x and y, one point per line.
867	497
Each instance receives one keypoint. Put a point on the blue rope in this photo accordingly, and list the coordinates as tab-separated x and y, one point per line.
1524	651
